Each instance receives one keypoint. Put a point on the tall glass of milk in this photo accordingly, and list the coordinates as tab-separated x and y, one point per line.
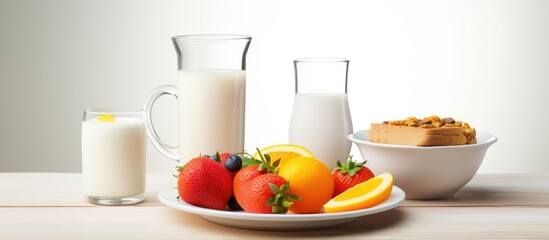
211	93
114	145
321	120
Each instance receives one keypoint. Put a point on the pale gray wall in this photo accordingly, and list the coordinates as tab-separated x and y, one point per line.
486	62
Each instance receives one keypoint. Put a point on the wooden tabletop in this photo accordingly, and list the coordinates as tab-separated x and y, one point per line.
52	206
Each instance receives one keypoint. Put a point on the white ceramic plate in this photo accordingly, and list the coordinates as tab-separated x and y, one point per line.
289	221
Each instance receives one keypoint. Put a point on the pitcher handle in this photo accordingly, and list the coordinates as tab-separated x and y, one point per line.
167	150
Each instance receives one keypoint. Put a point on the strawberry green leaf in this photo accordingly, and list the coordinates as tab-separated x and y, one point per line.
281	201
274	188
264	161
271	202
287	204
276	163
249	161
217	157
294	197
351	167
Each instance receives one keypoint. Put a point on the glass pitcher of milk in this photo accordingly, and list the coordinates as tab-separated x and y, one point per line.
321	120
211	91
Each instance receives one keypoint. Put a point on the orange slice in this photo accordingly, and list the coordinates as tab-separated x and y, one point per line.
364	195
284	152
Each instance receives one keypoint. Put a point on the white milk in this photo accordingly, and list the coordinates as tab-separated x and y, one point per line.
321	123
211	112
113	157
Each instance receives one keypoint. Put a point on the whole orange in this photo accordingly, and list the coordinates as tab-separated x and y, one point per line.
309	179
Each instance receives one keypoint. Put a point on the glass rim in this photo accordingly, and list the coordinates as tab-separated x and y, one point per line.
114	110
211	37
321	59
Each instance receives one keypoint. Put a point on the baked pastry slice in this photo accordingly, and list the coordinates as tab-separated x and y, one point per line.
429	131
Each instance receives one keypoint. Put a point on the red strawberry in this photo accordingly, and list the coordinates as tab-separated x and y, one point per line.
267	193
350	174
205	183
263	166
244	175
247	174
222	159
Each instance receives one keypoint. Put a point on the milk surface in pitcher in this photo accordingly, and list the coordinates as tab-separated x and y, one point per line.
211	112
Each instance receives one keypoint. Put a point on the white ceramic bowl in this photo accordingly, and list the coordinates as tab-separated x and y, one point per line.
425	172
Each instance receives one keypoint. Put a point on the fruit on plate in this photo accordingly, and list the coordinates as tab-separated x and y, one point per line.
311	180
231	162
220	157
267	193
350	174
259	167
284	152
364	195
205	183
233	204
259	194
243	176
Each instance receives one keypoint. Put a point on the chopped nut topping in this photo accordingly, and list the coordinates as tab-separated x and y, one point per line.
448	121
435	122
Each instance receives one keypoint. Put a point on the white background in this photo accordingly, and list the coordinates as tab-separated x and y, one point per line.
486	62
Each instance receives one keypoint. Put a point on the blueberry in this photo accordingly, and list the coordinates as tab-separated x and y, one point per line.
205	156
233	204
214	157
233	163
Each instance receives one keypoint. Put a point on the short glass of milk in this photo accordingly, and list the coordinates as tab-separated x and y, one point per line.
114	143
